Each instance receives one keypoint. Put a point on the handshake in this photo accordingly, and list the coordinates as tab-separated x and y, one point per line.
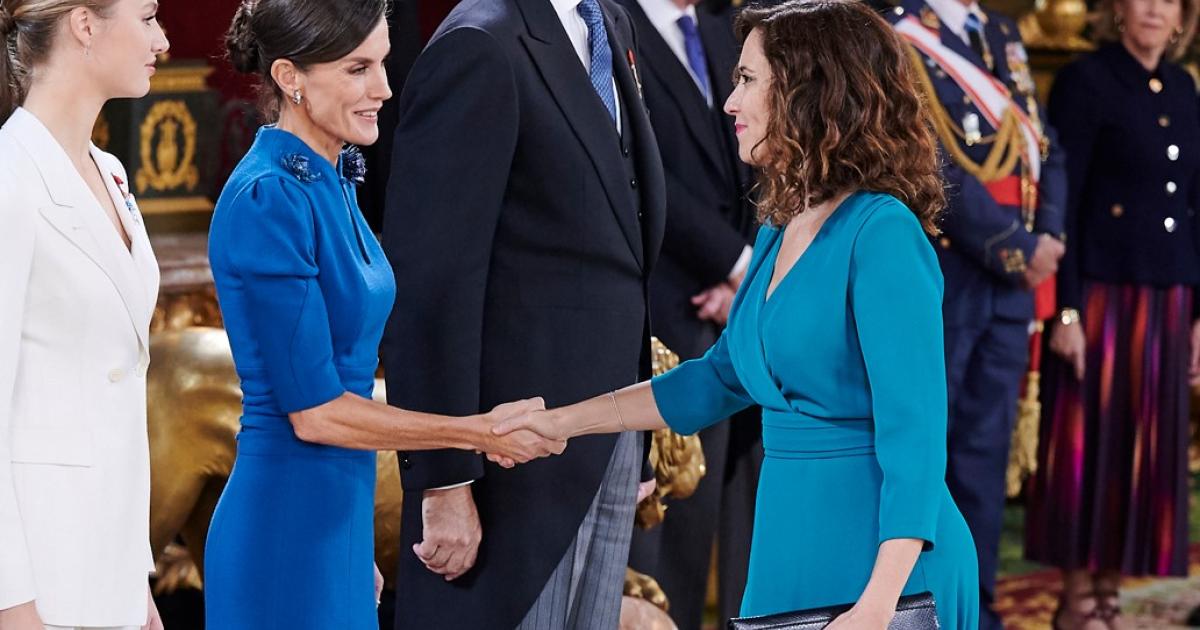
519	432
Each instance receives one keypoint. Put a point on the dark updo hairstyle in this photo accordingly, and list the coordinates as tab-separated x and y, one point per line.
305	32
845	111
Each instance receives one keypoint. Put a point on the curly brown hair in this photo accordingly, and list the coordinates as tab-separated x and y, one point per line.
845	113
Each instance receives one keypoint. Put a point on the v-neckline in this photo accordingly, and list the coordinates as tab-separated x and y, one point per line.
768	292
118	207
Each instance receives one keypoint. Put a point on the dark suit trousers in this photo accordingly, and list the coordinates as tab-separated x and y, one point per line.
984	367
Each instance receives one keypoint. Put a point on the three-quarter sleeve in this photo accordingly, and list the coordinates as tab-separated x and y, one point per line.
274	255
896	300
700	392
16	259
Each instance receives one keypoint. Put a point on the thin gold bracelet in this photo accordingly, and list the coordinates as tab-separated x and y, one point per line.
620	418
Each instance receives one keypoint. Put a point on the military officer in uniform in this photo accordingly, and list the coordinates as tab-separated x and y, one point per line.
1000	244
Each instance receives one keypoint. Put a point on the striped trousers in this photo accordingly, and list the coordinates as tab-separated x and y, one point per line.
584	592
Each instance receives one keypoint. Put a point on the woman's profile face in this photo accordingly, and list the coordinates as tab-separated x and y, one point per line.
344	97
749	103
125	47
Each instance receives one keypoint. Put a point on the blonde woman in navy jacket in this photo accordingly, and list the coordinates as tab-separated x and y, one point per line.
1111	497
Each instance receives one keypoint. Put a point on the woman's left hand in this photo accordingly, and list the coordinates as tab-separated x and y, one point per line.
378	586
153	620
1194	366
863	617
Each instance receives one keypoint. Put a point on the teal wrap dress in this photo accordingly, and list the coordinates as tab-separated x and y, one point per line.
846	359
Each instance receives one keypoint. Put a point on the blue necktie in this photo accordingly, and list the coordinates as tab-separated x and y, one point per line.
695	55
974	28
601	67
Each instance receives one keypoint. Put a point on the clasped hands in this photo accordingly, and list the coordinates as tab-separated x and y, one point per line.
512	434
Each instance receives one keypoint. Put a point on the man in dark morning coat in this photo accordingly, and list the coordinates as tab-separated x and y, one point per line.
525	212
688	55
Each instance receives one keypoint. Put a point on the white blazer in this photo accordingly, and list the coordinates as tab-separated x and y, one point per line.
75	309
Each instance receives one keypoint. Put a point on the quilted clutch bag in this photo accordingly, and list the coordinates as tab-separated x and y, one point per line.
913	612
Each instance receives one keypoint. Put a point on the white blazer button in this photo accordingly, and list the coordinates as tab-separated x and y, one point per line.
116	375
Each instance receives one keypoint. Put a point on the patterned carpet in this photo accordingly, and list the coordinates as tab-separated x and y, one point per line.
1028	601
1028	593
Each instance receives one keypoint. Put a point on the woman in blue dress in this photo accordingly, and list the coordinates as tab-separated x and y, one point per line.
305	291
836	331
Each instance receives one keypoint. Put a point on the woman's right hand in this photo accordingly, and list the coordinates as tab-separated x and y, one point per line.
22	617
517	447
1068	342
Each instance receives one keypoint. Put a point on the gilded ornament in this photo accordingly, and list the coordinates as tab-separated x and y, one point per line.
165	166
1117	210
1013	260
1056	25
1156	85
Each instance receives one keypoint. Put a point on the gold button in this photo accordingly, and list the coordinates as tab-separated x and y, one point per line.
1169	223
1171	188
1173	152
1164	121
966	100
1155	85
944	242
115	375
1118	210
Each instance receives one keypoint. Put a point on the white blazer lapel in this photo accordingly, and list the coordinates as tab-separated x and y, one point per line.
76	214
144	262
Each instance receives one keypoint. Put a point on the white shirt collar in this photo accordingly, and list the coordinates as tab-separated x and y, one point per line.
664	14
953	14
562	7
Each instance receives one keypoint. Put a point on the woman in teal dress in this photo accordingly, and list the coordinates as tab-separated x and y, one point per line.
836	330
305	291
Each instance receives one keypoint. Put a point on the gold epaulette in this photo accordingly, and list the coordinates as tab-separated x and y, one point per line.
1008	143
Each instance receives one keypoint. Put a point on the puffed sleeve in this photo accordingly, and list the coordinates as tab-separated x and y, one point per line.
16	259
896	300
274	255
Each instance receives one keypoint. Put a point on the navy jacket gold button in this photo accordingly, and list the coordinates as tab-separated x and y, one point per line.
1133	156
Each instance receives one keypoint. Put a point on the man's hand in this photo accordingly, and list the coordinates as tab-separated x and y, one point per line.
713	303
1044	262
645	489
451	532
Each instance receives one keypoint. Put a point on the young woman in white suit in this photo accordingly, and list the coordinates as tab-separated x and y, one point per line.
78	283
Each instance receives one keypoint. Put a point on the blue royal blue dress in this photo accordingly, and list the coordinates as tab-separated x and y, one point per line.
305	292
846	358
